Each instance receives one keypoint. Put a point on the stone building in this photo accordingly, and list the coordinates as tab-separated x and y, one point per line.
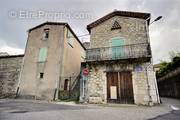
119	61
53	54
10	67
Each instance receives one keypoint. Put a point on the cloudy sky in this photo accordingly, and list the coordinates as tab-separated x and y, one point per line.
17	16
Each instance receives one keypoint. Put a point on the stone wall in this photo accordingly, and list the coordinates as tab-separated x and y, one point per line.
169	85
133	31
141	81
10	67
96	85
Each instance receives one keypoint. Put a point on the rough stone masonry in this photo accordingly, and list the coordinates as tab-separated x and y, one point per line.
10	67
129	40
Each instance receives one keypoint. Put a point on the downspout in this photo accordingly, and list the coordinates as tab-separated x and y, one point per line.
147	79
148	85
148	41
156	87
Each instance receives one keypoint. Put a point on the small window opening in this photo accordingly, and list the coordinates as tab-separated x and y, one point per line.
41	75
66	84
46	34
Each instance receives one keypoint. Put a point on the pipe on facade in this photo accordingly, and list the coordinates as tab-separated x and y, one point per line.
148	85
156	87
55	92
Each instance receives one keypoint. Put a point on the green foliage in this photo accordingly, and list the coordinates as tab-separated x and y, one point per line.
69	95
64	95
166	67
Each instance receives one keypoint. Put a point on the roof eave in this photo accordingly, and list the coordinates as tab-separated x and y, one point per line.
145	16
47	23
58	23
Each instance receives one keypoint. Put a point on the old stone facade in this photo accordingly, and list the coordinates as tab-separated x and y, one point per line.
10	67
53	54
97	82
116	51
133	31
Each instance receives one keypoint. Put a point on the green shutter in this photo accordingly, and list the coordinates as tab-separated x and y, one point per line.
117	42
117	47
42	54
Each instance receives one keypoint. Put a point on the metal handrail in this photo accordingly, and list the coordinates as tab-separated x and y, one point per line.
119	52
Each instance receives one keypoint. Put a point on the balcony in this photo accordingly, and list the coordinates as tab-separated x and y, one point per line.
119	52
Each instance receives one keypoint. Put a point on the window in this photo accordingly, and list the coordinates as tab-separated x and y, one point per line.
41	75
46	34
42	54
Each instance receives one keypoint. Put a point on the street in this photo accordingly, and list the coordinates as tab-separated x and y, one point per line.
41	110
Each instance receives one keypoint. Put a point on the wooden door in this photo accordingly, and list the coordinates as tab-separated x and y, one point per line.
112	87
120	87
126	88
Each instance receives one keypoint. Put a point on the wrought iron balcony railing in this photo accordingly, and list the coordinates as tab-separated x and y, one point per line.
118	52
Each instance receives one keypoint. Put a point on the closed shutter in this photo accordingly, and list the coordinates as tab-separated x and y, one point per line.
42	54
117	47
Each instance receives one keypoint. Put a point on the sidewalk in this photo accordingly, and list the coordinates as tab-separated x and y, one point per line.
170	101
15	109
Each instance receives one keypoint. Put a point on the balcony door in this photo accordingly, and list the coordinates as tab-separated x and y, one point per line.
117	48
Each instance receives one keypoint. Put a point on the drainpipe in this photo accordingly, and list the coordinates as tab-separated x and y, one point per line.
147	79
148	85
148	41
156	87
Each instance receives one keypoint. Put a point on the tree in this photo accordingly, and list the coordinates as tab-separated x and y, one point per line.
166	67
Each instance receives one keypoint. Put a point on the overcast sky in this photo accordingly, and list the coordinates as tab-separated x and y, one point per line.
17	16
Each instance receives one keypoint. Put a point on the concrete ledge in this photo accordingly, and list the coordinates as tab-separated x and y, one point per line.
95	100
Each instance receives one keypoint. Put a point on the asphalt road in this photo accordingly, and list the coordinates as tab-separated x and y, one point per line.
41	110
